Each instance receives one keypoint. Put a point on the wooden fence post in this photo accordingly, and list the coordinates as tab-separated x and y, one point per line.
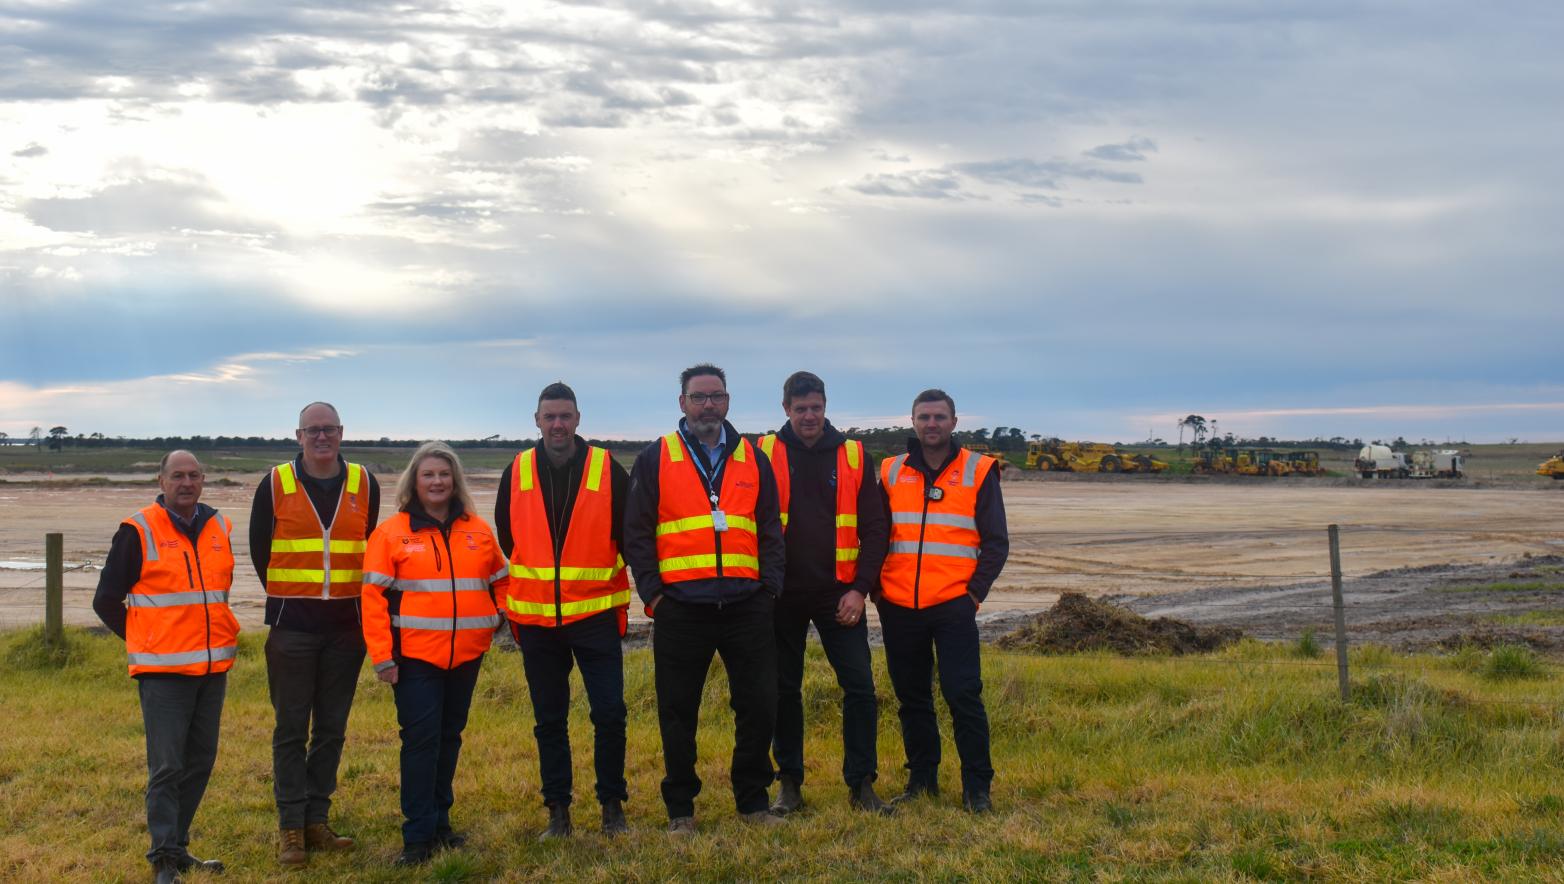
1340	610
54	590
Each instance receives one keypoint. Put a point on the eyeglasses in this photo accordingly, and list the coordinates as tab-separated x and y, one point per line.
329	432
703	398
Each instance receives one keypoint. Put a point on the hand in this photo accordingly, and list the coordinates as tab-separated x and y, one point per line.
651	606
387	675
849	608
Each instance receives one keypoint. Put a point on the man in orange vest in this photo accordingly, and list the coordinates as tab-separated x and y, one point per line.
308	529
948	543
559	518
704	539
164	590
834	525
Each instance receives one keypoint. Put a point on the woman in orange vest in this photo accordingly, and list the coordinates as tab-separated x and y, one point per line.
431	575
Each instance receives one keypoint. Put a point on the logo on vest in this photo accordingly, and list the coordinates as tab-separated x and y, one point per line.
472	542
169	544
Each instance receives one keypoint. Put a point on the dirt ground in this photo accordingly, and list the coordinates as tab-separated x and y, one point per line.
1251	553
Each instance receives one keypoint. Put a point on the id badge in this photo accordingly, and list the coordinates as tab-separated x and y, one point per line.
719	520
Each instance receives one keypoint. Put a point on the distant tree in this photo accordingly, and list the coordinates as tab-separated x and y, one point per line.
56	435
35	436
1017	440
980	435
5	438
1196	425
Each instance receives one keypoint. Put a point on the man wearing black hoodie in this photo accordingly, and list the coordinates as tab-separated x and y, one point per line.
834	525
703	537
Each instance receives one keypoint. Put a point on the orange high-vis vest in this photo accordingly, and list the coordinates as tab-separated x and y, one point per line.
589	575
689	546
307	560
431	597
178	621
934	543
849	479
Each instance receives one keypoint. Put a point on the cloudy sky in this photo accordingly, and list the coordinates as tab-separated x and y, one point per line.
1082	218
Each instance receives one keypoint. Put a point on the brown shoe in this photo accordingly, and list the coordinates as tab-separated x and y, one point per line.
681	826
290	848
318	836
762	818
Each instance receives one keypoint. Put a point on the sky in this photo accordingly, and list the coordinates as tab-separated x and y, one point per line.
1086	219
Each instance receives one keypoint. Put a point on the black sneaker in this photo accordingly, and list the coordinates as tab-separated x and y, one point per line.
864	798
415	854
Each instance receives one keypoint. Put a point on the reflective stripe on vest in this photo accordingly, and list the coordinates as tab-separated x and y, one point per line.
688	545
309	560
934	544
849	479
444	624
177	619
588	576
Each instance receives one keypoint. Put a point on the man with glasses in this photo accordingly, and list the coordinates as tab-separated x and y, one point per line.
308	530
704	538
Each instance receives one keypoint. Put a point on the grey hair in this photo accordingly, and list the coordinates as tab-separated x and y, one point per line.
162	465
334	413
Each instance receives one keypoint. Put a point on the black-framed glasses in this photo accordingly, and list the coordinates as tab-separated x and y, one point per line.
330	431
703	398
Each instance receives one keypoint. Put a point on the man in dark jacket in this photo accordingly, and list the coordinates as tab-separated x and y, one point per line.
834	524
704	540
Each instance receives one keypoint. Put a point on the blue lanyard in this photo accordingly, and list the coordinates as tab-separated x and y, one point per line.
709	476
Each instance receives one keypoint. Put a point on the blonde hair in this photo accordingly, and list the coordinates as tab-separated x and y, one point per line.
407	485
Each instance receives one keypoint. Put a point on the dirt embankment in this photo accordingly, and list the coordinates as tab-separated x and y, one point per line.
1077	623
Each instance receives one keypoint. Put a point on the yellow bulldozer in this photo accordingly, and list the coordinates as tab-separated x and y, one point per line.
1245	461
1305	463
1553	466
1087	457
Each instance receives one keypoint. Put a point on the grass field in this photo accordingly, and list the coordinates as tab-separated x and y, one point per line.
1241	765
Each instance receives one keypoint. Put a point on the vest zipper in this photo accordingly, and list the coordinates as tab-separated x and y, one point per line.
446	537
206	610
917	565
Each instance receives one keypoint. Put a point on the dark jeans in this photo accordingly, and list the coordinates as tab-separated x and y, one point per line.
684	637
312	677
431	707
182	715
546	655
912	639
847	649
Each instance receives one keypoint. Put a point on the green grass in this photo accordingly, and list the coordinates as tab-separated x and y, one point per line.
1239	765
1506	586
1545	617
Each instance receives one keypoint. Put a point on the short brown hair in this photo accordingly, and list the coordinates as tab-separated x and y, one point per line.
934	394
800	384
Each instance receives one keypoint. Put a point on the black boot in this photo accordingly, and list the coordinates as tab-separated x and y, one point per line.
166	870
614	819
864	798
789	798
917	789
558	822
188	862
977	802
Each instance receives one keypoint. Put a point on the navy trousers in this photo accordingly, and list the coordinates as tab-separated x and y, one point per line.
847	649
431	707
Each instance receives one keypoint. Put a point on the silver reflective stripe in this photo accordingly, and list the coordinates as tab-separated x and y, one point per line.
954	550
444	624
896	468
151	545
175	599
184	658
949	520
499	575
438	585
375	578
969	474
383	666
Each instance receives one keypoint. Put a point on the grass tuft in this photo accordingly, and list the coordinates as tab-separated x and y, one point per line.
1308	645
28	651
1512	661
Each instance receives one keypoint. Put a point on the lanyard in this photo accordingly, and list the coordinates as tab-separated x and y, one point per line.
709	477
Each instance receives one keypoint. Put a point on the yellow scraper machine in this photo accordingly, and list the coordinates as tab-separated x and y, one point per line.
1553	466
1087	457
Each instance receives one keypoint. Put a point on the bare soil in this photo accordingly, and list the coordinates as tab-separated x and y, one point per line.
1244	552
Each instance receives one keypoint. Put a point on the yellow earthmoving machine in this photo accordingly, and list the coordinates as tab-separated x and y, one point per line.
1212	460
1242	462
982	448
1087	457
1305	463
1553	466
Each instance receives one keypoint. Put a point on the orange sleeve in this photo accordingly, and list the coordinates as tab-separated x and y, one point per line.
499	580
379	571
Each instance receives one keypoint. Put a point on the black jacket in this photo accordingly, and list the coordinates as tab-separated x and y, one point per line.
301	614
122	567
559	486
993	531
811	523
640	540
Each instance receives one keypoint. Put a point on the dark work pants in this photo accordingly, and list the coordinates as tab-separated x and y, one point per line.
684	637
913	637
847	649
181	715
431	707
546	655
312	677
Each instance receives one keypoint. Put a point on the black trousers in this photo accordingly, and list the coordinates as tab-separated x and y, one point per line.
312	677
431	707
847	649
913	637
547	655
182	715
684	638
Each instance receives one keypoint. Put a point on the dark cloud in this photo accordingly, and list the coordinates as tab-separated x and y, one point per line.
1133	150
31	150
140	207
929	185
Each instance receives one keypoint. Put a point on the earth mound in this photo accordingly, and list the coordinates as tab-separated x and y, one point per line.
1077	623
